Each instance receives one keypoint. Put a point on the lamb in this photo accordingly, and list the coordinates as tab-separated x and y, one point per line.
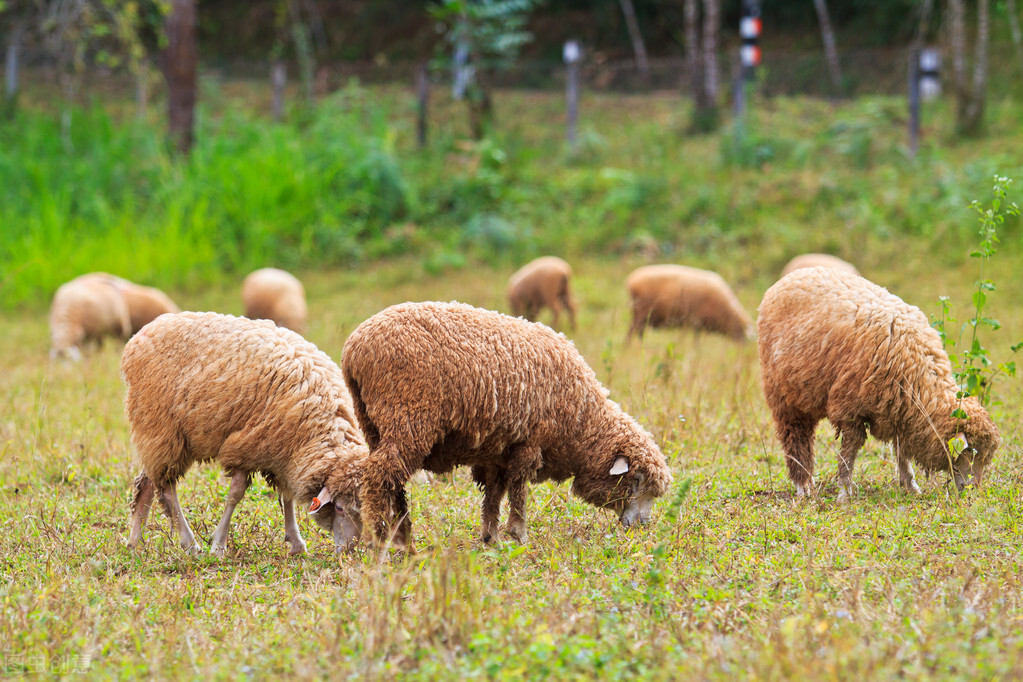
542	283
809	260
257	399
835	345
436	385
86	310
680	296
272	294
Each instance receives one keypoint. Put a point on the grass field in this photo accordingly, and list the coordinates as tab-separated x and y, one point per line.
733	578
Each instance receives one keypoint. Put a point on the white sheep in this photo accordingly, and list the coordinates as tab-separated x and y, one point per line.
255	398
86	310
824	260
272	294
834	345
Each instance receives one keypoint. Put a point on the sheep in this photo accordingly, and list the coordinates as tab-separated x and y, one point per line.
272	294
257	399
85	310
809	260
539	283
436	385
835	345
680	296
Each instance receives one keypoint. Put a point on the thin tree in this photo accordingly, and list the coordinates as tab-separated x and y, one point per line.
636	37
971	94
701	59
1017	35
828	38
181	65
11	64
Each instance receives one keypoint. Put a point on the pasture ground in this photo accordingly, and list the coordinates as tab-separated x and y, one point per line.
733	578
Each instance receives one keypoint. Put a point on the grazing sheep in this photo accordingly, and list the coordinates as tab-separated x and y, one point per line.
85	310
811	260
539	283
680	296
272	294
436	385
257	399
834	345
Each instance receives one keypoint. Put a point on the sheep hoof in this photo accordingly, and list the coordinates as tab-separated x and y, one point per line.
844	496
218	550
517	533
297	548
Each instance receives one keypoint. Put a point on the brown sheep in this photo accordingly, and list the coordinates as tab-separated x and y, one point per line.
86	310
272	294
834	345
437	385
811	260
680	296
257	399
542	283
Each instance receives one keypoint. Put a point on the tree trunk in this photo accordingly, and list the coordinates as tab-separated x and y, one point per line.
1017	35
957	43
711	26
637	38
828	38
142	89
692	17
181	65
974	115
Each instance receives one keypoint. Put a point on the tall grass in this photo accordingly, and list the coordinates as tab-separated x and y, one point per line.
342	182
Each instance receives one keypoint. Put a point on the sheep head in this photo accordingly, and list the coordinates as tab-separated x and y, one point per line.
341	515
628	481
974	445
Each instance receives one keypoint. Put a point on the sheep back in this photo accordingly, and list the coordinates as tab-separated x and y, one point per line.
677	295
273	294
824	260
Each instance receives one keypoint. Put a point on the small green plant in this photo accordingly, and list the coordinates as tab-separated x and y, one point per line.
974	370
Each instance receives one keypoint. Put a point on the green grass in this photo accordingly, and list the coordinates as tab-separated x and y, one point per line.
733	578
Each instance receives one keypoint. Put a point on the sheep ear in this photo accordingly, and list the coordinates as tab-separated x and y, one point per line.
958	444
620	466
320	500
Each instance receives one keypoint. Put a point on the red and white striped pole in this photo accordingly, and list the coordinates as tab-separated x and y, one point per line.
749	31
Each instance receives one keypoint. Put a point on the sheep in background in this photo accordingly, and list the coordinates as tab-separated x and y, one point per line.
680	296
437	385
542	283
834	345
812	260
145	304
272	294
255	398
86	310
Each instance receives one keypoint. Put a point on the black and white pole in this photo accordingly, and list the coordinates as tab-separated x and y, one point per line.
924	84
572	53
749	52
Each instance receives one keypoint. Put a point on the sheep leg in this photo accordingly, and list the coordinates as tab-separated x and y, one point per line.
570	307
291	533
171	506
906	478
239	484
796	435
853	437
521	470
493	483
141	503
